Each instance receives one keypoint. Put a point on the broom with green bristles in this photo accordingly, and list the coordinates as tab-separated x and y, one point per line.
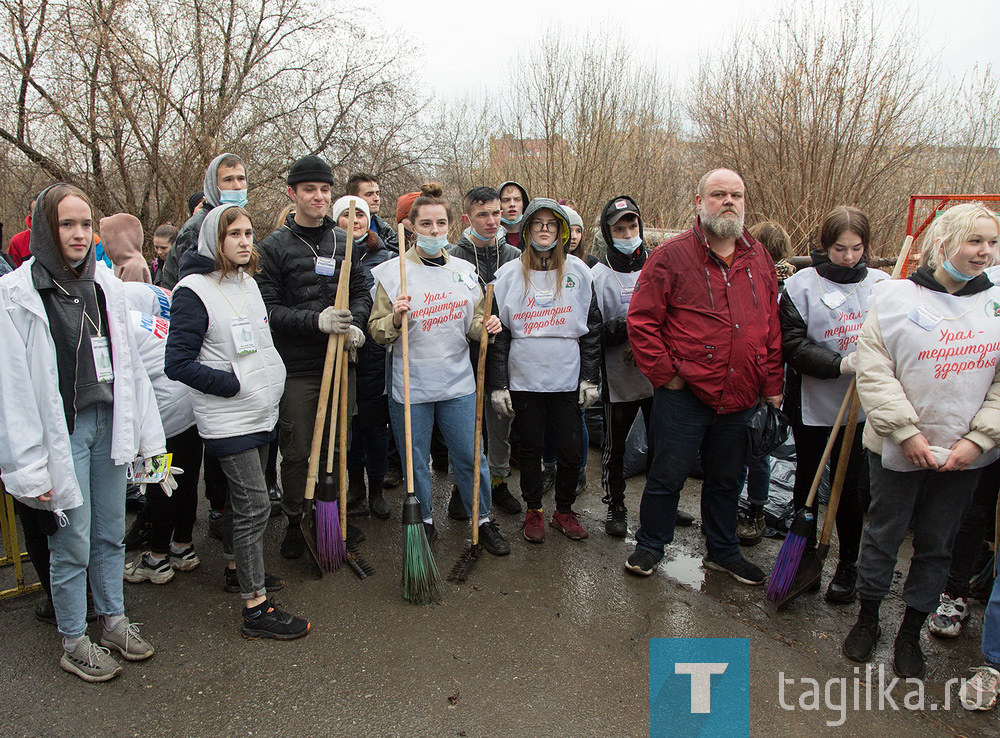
421	580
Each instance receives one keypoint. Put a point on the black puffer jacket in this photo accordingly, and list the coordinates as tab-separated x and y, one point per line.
295	294
801	354
390	238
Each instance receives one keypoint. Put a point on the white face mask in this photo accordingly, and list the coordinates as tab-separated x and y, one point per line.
431	245
627	245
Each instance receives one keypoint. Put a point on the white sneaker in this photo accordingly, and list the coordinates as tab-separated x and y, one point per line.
980	692
946	622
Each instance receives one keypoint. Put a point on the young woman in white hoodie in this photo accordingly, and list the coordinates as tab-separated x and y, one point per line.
76	407
220	346
926	366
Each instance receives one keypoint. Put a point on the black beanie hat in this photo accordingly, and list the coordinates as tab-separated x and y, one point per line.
193	201
309	169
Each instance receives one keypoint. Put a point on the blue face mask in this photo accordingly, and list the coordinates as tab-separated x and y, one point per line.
431	245
536	247
475	234
233	197
512	222
627	245
954	273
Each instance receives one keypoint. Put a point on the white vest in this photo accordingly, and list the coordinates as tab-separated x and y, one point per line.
442	306
945	371
834	328
172	398
614	293
148	298
545	328
262	374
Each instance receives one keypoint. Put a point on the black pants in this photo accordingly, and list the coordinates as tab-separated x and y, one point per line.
810	440
174	516
618	420
969	540
533	411
216	485
36	543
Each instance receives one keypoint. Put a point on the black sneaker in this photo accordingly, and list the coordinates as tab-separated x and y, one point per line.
215	524
431	532
861	641
683	519
492	539
741	570
503	499
267	621
617	522
908	661
137	534
642	562
294	544
231	582
843	587
456	508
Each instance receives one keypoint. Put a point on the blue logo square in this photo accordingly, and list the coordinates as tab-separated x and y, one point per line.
698	686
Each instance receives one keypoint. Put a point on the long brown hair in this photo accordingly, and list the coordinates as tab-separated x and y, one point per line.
556	257
223	265
50	206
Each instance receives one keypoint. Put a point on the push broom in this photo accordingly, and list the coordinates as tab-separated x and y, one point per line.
786	566
460	571
421	580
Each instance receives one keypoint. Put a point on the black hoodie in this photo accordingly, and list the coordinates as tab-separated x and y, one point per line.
70	298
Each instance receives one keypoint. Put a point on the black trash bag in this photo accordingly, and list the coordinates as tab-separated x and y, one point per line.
767	428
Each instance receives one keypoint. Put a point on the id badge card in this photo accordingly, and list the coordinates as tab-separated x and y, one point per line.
326	265
833	299
627	295
470	280
102	358
543	298
243	337
925	317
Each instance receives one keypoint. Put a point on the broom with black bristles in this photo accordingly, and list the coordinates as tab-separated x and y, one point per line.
460	571
786	566
421	580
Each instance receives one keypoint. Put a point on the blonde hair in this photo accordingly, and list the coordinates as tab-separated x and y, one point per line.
951	229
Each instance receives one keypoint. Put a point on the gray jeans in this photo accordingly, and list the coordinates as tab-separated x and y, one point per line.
497	439
933	503
250	508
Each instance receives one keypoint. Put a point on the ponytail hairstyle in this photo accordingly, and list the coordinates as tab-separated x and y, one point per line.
430	194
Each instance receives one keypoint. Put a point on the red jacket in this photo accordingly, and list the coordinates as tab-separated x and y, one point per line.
20	243
715	327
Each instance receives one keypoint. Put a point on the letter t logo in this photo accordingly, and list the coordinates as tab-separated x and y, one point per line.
701	683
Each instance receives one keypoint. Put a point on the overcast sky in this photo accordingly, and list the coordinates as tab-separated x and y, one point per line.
465	45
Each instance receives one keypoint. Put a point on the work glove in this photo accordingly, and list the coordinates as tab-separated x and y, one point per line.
335	320
355	339
848	362
502	403
588	394
168	484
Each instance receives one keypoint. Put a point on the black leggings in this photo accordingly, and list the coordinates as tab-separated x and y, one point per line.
810	440
174	516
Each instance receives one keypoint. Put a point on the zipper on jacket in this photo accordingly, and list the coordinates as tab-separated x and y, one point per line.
711	294
76	371
752	290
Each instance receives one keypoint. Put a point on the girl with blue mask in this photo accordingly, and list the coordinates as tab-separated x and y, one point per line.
444	311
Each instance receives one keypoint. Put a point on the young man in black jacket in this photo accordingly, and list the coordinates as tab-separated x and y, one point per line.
366	186
300	268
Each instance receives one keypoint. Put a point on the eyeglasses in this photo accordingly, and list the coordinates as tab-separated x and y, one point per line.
551	226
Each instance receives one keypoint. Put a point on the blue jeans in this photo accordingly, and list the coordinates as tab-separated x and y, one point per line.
680	425
991	626
757	474
456	419
93	538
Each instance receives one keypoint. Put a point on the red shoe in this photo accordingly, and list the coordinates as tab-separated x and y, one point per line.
534	526
569	525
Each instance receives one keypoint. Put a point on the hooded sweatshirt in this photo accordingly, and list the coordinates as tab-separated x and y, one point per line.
122	236
187	237
514	237
76	310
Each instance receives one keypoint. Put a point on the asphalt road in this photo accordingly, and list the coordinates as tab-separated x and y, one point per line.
552	640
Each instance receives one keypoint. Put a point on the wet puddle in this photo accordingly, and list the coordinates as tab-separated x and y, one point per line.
685	569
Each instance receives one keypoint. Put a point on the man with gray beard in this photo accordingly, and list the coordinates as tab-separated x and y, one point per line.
703	326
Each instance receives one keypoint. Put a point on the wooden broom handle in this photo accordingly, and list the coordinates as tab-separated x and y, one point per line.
407	431
341	302
343	450
477	445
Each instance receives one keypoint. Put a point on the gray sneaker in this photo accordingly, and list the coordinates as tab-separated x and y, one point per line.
90	662
125	639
